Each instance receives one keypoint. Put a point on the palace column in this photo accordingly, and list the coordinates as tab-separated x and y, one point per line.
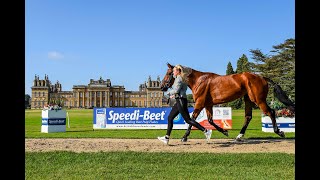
118	99
89	98
83	102
122	99
100	92
95	98
147	105
78	99
105	98
108	101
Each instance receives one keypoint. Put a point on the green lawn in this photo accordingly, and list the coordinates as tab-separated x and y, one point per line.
146	165
139	165
81	126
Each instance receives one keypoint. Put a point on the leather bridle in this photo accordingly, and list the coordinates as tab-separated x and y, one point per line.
167	82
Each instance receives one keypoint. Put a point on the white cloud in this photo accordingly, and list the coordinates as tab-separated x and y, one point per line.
55	55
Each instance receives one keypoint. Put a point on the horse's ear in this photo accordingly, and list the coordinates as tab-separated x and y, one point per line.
169	65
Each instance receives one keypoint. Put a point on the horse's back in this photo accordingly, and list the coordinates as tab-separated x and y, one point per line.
233	86
246	77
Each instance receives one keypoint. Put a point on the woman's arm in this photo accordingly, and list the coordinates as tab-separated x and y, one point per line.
176	86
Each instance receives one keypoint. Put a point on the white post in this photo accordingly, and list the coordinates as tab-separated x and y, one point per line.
68	120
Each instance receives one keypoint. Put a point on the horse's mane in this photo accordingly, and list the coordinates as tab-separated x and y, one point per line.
185	72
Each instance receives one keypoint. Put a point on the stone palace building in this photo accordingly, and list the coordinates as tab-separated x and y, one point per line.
98	93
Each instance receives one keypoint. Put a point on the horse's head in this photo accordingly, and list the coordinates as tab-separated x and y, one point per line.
168	79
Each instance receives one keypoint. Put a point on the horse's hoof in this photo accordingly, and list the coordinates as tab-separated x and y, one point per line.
239	137
281	134
184	139
226	133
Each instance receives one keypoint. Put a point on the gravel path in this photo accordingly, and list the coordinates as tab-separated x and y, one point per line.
154	145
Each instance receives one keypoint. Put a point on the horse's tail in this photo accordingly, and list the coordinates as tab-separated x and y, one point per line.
281	95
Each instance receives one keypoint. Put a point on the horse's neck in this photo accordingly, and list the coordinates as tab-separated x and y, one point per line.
195	75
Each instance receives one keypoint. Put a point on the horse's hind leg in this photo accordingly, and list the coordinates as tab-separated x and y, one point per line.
209	115
247	118
271	113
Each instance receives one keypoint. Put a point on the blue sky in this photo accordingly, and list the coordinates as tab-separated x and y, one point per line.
127	41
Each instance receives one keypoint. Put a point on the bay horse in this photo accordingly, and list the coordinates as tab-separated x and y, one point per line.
210	89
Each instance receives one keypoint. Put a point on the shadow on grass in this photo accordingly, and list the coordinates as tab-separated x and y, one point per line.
86	130
270	137
233	142
252	141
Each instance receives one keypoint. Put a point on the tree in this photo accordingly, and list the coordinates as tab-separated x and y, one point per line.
27	101
190	100
279	66
243	64
57	101
229	69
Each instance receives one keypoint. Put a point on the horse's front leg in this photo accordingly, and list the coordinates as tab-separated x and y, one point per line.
195	114
210	120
